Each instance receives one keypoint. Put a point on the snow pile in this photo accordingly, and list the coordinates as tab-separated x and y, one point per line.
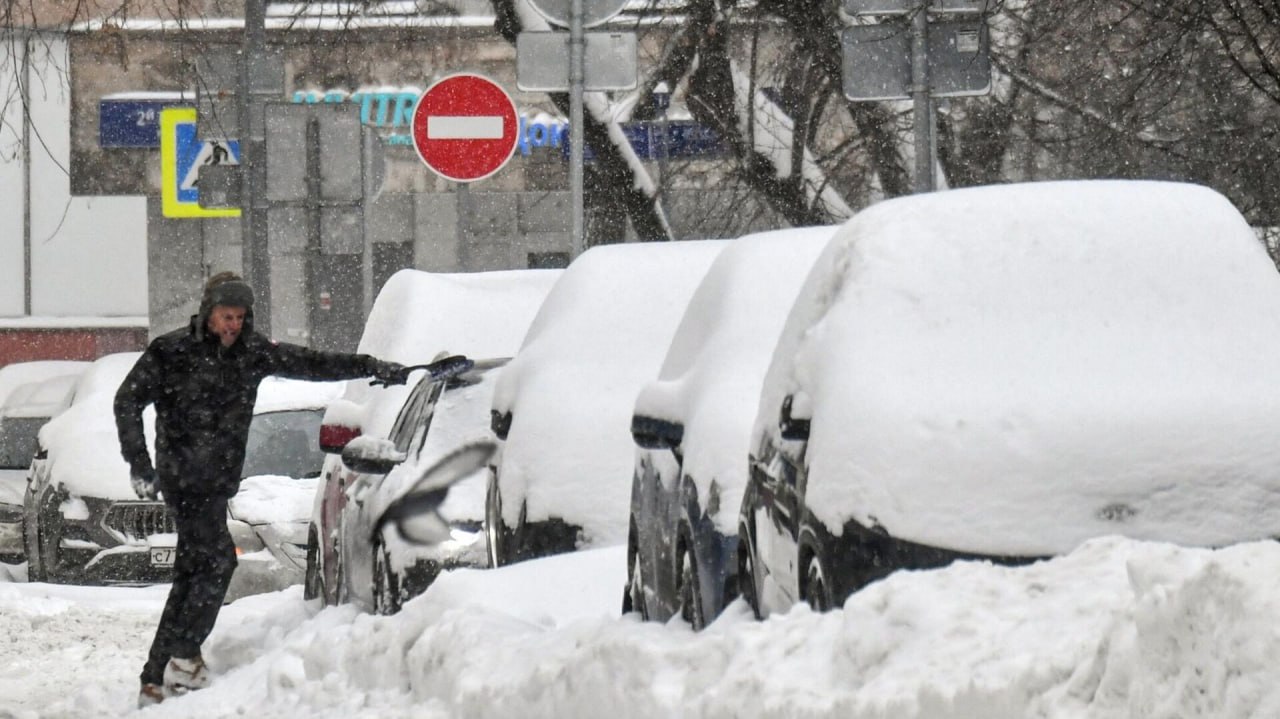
83	446
599	336
273	499
1115	630
1015	369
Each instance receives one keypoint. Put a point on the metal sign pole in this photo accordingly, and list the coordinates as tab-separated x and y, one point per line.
253	226
922	110
577	43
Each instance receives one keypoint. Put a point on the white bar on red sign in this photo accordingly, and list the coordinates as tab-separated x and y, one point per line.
464	127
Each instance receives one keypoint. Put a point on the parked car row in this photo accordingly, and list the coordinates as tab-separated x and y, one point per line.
988	373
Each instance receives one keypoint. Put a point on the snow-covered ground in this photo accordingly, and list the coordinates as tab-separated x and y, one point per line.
1118	628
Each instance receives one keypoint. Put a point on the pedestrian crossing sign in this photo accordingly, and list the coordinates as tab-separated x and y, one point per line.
181	156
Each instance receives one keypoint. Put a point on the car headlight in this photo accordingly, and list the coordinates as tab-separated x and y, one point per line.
247	540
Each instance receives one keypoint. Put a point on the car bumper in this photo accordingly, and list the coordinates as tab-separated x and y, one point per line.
122	564
261	572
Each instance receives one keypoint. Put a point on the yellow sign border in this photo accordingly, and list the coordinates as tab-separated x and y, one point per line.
170	205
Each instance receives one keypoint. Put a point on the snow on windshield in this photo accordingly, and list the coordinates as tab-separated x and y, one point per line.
1014	369
418	314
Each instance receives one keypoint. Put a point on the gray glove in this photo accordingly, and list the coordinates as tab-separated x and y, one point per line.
144	484
389	372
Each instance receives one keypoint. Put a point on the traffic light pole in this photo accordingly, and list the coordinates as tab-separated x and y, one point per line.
577	139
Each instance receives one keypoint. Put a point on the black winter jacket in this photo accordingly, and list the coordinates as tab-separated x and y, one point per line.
204	395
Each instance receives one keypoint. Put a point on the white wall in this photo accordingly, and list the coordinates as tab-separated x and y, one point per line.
88	254
11	182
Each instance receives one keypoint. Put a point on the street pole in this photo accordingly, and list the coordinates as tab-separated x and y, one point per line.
662	96
577	53
253	147
922	106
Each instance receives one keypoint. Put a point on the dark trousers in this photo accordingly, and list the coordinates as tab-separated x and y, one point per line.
206	558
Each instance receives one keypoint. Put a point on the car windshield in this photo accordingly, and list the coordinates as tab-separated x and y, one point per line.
18	441
285	444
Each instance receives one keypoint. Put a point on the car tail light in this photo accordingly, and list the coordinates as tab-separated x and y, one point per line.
333	437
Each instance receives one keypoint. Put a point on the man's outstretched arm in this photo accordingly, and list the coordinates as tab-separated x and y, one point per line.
138	390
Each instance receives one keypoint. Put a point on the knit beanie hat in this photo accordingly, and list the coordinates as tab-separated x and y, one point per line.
226	288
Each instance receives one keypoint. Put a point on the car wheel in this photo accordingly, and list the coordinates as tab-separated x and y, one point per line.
633	593
339	591
747	573
817	586
313	584
386	585
47	535
690	594
30	541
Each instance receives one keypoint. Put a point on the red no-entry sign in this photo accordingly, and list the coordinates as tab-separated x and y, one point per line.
465	127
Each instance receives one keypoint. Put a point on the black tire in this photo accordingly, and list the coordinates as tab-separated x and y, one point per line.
339	591
48	532
817	585
386	584
747	582
690	592
313	584
633	592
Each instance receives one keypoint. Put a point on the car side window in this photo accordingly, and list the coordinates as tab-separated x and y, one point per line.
425	414
406	422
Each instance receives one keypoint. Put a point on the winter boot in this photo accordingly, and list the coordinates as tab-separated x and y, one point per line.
150	694
181	674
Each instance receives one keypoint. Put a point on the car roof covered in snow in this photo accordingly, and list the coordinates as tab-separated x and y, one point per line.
1014	369
17	374
420	315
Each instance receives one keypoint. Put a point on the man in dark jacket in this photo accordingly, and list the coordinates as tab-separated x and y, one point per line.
203	380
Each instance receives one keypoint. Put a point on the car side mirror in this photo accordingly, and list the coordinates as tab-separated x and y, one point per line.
794	422
414	512
334	437
653	433
370	455
500	423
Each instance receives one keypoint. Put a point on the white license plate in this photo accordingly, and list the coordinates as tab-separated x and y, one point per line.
163	556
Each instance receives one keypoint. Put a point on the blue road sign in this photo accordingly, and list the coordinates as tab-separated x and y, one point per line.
192	153
133	122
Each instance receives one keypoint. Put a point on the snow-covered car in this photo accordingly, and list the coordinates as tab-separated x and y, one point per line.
440	415
417	317
30	393
692	427
1006	372
84	524
562	407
